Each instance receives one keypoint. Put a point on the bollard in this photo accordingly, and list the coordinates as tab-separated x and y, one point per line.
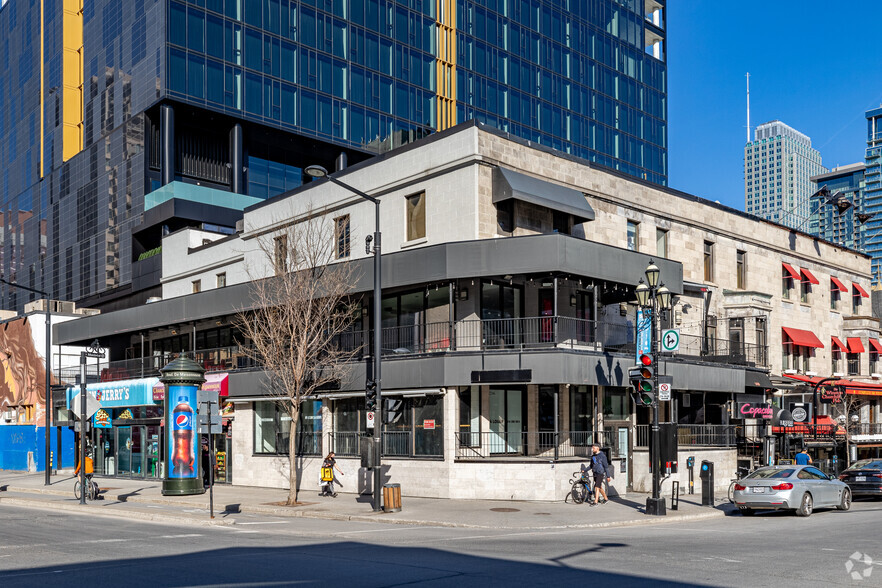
675	498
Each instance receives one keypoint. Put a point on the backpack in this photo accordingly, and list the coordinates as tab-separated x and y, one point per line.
327	474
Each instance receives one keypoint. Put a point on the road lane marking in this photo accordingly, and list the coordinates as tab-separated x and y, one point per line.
265	523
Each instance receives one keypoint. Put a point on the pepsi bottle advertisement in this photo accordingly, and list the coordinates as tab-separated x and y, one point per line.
182	433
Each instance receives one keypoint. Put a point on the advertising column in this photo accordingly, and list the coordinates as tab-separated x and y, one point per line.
182	378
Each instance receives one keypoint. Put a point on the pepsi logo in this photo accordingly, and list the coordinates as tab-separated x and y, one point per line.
182	420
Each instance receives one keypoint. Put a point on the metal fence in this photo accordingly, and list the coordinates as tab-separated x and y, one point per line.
395	444
866	429
696	435
490	444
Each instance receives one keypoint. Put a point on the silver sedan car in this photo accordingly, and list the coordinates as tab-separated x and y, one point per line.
790	487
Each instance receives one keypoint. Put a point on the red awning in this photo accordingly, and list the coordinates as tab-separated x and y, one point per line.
839	344
860	290
793	273
217	382
855	345
839	285
851	386
803	338
810	277
874	343
825	426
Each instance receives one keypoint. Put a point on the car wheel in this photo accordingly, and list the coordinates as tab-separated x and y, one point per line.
805	506
845	503
746	512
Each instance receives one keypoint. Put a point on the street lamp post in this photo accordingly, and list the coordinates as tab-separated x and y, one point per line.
48	362
317	171
654	296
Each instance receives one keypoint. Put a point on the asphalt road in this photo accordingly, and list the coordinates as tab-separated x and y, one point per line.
41	547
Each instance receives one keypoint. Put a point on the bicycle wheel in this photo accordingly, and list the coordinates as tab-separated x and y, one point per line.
93	491
579	492
77	489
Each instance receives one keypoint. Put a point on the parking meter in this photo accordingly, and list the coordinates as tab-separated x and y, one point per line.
707	483
690	464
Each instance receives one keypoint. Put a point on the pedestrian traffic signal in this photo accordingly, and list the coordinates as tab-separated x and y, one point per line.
392	410
370	395
642	377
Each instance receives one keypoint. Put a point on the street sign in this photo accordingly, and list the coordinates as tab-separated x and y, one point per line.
670	340
92	404
664	391
370	419
208	413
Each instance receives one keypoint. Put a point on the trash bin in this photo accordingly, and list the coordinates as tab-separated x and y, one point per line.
392	497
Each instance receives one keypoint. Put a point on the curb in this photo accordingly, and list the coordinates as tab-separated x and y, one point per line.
122	512
90	510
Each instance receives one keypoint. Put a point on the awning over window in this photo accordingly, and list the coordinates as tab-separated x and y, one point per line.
809	277
837	343
803	338
877	347
860	290
525	188
757	380
839	285
793	273
855	345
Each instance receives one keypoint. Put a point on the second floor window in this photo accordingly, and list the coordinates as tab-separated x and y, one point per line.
661	242
874	362
836	360
741	270
834	296
341	236
416	216
786	285
805	290
222	280
708	261
855	302
633	235
854	363
197	286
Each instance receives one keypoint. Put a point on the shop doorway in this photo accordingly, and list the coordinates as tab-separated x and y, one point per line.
131	457
105	452
506	420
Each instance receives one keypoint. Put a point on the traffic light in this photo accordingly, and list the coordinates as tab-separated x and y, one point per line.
642	377
392	410
370	395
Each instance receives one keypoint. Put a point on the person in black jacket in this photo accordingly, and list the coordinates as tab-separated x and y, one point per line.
600	467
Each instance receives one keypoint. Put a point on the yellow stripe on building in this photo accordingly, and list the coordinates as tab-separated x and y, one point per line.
445	64
72	78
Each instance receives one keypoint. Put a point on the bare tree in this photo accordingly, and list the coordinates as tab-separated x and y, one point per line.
850	405
297	316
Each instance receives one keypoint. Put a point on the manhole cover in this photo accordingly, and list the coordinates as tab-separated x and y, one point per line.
542	513
505	510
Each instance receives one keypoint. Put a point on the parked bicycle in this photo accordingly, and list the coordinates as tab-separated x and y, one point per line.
92	490
581	489
740	474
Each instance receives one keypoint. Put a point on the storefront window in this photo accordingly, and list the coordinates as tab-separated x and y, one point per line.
615	404
581	414
272	428
427	425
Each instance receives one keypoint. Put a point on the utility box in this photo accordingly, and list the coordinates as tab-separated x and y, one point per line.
667	454
370	455
707	483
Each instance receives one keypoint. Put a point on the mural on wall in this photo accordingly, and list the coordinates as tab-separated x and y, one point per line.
22	375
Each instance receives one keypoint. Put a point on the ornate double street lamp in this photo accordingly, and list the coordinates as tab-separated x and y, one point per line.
653	296
373	387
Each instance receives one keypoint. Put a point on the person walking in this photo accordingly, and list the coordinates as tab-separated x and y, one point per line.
329	464
600	467
803	458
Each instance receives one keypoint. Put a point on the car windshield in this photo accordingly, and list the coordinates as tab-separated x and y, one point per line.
770	473
868	464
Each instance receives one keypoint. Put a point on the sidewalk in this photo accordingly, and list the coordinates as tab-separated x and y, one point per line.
138	499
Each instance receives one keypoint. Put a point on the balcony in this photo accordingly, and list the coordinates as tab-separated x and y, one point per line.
694	435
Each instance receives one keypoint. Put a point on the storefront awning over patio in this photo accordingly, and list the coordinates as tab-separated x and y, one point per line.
526	188
851	386
825	426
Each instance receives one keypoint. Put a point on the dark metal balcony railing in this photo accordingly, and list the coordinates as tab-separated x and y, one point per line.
866	429
467	335
395	444
490	444
697	435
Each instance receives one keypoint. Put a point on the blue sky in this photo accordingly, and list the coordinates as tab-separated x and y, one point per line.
814	65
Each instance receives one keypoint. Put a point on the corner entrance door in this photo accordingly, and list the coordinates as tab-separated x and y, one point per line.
130	451
506	420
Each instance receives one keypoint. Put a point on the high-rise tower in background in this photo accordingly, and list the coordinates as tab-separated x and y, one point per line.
873	190
778	166
123	121
839	224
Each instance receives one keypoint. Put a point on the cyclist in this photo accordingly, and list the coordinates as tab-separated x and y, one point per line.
90	469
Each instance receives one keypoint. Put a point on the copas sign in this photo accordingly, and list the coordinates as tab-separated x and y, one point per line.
750	410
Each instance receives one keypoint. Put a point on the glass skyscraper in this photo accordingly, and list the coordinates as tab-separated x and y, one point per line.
115	111
873	190
778	166
839	225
